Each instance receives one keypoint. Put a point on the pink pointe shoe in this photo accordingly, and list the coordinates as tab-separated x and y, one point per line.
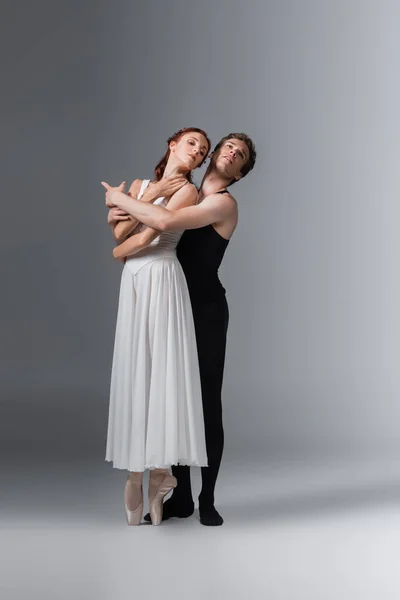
133	517
157	492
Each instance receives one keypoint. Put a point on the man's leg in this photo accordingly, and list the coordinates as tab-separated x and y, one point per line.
211	321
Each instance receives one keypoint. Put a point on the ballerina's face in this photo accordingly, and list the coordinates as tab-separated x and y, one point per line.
191	149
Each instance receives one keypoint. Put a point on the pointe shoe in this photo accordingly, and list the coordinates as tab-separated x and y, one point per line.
156	504
133	517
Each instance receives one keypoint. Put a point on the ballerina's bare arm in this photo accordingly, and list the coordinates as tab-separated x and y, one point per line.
215	208
185	197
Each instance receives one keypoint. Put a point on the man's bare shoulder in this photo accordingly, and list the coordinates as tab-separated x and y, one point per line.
226	201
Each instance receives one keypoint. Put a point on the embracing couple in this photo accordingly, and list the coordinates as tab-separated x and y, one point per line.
169	352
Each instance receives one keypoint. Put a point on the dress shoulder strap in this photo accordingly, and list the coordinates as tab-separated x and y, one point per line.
144	185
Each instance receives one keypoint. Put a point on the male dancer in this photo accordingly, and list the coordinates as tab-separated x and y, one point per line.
209	225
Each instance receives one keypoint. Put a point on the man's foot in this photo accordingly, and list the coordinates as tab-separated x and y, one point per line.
174	507
209	516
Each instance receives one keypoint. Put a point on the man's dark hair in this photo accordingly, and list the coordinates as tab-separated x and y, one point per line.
251	161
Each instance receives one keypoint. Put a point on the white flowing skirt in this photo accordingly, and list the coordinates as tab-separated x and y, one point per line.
155	415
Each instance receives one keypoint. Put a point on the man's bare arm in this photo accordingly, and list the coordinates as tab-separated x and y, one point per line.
163	188
124	228
184	198
215	208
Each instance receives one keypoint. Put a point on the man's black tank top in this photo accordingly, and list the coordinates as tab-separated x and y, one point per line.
200	252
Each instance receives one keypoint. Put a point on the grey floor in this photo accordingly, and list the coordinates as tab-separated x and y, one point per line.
327	531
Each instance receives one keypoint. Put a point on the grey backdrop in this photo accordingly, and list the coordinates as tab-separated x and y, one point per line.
91	90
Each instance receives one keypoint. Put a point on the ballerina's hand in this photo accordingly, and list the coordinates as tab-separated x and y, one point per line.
117	214
110	190
167	186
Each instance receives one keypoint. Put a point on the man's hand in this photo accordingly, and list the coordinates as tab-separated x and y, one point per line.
110	190
168	186
116	214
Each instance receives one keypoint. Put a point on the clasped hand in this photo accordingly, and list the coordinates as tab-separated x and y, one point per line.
165	188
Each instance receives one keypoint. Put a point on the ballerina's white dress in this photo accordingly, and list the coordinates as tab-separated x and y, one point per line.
155	415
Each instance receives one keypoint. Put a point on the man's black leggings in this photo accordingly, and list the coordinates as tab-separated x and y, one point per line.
211	324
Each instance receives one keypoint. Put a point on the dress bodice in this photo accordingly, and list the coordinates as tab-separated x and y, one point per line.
163	245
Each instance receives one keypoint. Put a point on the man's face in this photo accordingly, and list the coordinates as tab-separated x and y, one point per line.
231	158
